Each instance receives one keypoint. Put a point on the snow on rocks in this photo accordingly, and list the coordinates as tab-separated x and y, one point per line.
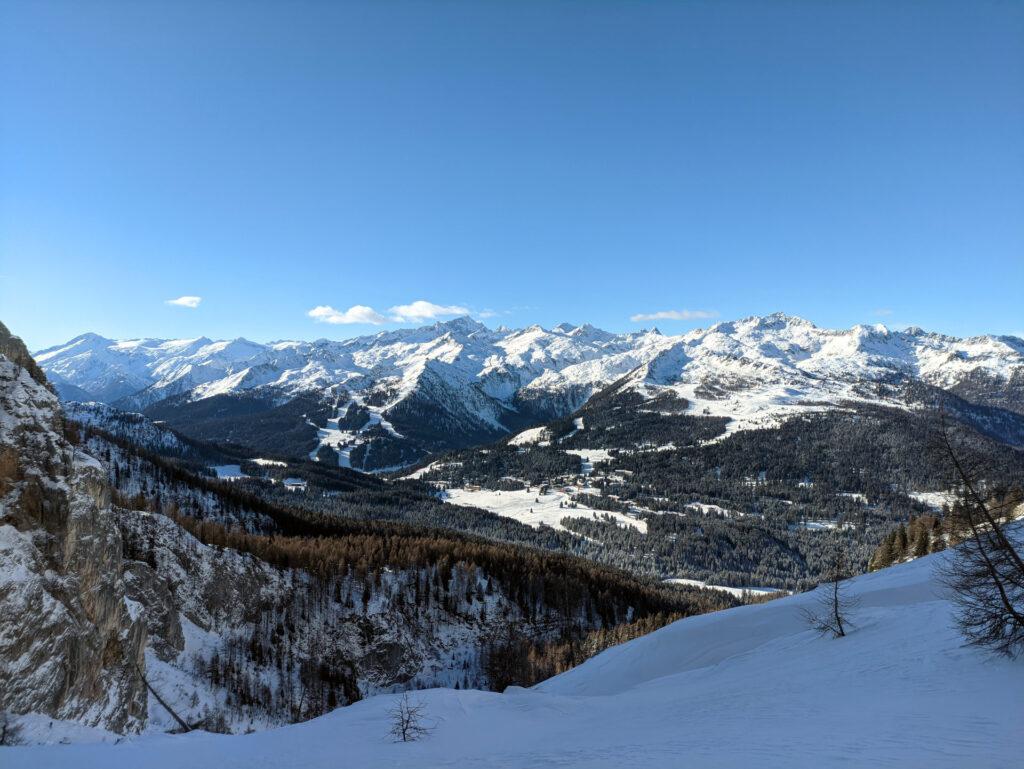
750	686
757	371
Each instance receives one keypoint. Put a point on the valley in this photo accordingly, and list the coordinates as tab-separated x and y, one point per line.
731	455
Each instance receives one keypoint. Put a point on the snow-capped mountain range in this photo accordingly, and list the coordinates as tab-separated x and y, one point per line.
459	382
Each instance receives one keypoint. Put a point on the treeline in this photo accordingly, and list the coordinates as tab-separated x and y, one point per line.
247	419
627	420
923	535
323	543
532	465
933	533
532	579
510	659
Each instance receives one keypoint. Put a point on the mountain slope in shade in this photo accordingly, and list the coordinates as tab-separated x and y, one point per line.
743	687
459	383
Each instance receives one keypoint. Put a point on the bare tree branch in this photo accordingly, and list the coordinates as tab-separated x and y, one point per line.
407	720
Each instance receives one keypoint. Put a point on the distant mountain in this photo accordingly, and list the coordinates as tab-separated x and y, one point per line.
131	586
389	399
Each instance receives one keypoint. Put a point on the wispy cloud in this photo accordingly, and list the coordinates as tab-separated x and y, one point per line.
882	312
414	312
358	313
185	301
674	315
423	310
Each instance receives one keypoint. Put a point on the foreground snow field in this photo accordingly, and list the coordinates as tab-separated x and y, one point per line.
747	687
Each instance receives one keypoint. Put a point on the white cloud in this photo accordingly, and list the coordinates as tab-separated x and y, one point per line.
185	301
358	313
414	312
422	310
883	311
674	315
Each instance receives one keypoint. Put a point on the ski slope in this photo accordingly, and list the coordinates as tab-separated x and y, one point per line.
747	687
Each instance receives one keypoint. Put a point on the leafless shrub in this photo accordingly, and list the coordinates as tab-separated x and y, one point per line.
986	573
407	720
831	614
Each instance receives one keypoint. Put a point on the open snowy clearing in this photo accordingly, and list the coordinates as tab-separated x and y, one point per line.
747	687
269	462
228	472
588	457
533	508
739	592
934	499
538	435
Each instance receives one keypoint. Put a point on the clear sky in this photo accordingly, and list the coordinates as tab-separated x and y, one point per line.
531	162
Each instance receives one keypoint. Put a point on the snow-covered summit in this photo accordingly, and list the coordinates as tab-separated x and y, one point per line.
761	368
491	381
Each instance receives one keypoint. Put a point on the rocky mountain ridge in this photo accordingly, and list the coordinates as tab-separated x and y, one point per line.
389	399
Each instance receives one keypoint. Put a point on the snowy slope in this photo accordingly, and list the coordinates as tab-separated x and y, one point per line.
460	383
740	688
761	369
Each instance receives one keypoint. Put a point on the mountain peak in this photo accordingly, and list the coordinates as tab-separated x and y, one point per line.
779	320
462	324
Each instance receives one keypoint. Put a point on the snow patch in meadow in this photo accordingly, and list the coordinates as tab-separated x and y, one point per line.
534	509
738	592
535	435
933	499
588	457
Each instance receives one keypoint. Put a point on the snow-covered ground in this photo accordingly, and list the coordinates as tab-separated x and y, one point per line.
934	499
756	372
535	435
588	457
533	508
343	441
228	472
746	687
269	462
816	525
739	592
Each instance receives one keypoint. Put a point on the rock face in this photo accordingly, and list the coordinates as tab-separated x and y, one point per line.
69	647
387	400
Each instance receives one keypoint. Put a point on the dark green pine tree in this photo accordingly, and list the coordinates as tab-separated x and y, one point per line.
901	544
921	542
938	537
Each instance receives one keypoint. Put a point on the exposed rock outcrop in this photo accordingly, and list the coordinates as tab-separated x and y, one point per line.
69	646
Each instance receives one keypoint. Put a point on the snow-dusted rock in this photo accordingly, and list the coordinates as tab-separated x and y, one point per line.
69	647
458	383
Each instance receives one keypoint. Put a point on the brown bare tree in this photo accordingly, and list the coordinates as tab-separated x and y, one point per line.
407	720
831	614
986	573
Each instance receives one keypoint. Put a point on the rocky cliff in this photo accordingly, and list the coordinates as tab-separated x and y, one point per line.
69	647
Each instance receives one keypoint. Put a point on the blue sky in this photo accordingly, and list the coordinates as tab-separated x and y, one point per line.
531	162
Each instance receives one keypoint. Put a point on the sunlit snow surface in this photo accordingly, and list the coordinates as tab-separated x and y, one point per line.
534	508
738	592
747	687
757	371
